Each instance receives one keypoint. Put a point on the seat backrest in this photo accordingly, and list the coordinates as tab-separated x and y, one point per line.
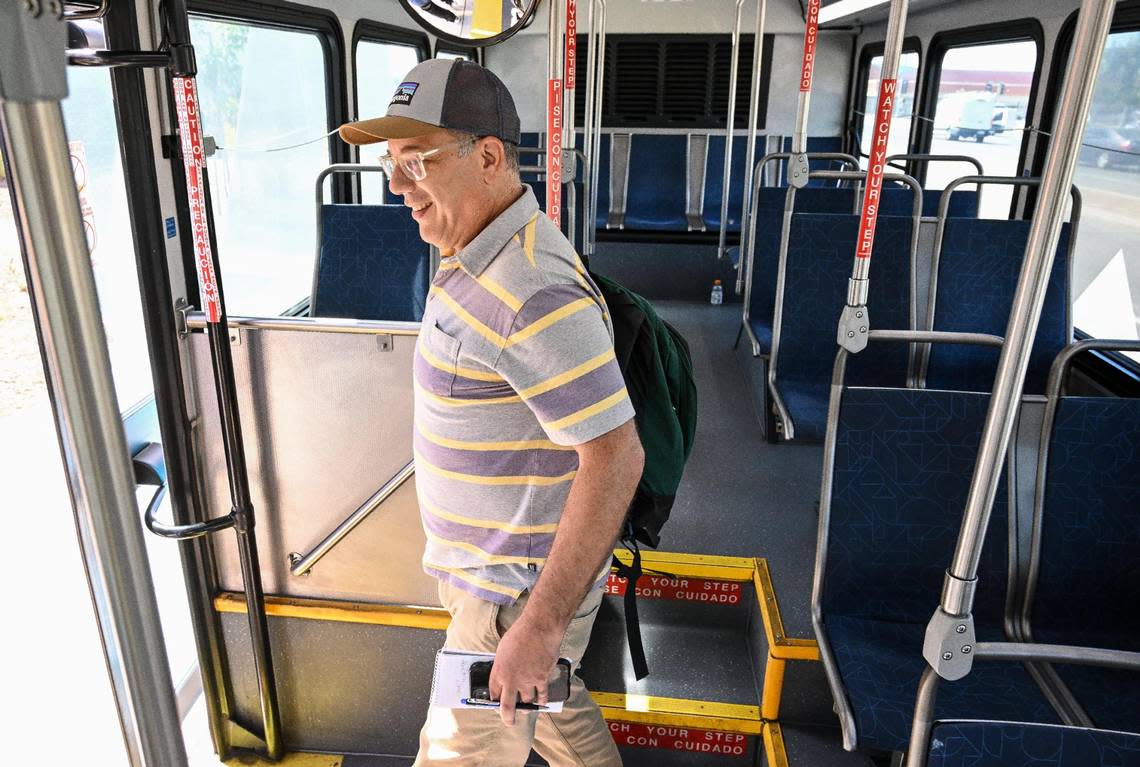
897	201
902	467
372	265
714	182
821	250
658	182
1089	578
1016	744
978	270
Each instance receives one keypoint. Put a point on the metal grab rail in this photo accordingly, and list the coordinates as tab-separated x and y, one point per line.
923	723
799	166
300	565
956	604
928	157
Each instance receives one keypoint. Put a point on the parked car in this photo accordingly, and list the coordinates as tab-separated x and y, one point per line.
1107	147
965	115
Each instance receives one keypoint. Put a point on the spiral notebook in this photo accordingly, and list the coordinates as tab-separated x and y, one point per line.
451	680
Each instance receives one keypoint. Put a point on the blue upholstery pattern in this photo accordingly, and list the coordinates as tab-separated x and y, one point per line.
881	663
658	183
820	255
977	275
714	183
1089	579
903	463
769	226
1013	744
373	264
899	201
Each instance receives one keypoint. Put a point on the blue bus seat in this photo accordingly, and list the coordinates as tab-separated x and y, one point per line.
821	251
658	184
978	269
902	466
714	182
897	201
769	228
531	139
1088	578
1017	744
372	264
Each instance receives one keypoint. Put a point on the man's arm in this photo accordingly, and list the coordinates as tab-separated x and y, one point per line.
609	468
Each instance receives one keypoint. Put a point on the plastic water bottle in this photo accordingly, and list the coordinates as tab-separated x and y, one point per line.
717	296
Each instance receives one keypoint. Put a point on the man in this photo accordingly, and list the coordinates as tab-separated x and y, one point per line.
526	452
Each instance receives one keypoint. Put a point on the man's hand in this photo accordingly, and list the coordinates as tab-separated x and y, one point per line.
523	663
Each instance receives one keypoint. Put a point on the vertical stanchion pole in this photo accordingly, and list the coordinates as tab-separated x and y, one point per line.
855	322
729	128
588	137
77	368
569	143
798	168
599	101
943	646
555	133
750	147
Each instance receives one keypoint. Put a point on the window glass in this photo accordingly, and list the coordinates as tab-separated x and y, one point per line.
906	87
380	67
453	55
1106	266
270	150
983	95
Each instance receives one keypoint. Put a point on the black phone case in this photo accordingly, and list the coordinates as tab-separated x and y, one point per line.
558	688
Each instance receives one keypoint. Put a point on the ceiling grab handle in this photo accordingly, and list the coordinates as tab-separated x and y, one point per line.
730	126
942	646
798	168
753	120
854	322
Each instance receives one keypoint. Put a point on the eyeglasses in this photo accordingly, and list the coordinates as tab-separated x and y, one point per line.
413	164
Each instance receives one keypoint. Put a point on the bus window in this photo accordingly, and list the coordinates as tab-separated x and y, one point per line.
380	66
982	97
907	86
1106	265
89	115
263	200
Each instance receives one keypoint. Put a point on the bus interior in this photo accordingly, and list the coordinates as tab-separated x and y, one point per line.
901	240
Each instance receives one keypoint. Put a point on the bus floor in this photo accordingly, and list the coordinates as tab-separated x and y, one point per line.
740	497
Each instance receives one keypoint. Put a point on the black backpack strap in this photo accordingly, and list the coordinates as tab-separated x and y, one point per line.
632	572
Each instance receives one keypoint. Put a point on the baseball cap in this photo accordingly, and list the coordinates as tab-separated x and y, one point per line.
456	94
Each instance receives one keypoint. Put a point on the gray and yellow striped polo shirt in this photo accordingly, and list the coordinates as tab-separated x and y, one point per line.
514	365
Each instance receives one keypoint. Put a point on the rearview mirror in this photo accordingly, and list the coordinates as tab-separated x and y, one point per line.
472	22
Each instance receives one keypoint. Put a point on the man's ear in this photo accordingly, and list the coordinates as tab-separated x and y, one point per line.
492	155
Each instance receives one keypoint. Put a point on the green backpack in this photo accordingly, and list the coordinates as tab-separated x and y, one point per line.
658	370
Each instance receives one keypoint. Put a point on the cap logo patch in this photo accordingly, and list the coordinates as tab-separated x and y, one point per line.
404	93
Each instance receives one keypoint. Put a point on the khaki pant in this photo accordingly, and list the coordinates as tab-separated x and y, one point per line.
578	736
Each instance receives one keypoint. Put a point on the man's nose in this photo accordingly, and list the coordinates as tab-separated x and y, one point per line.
400	183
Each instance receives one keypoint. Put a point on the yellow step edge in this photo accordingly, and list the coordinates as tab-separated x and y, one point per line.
435	618
688	566
779	644
774	750
679	712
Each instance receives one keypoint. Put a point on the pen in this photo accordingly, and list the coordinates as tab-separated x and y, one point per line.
495	704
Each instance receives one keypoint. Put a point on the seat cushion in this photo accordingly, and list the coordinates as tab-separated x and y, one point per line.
1013	744
881	664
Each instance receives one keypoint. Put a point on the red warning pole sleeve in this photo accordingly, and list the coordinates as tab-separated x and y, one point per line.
194	161
570	75
554	153
811	33
877	163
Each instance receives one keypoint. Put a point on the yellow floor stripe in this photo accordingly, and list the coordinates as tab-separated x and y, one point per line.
289	760
679	712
